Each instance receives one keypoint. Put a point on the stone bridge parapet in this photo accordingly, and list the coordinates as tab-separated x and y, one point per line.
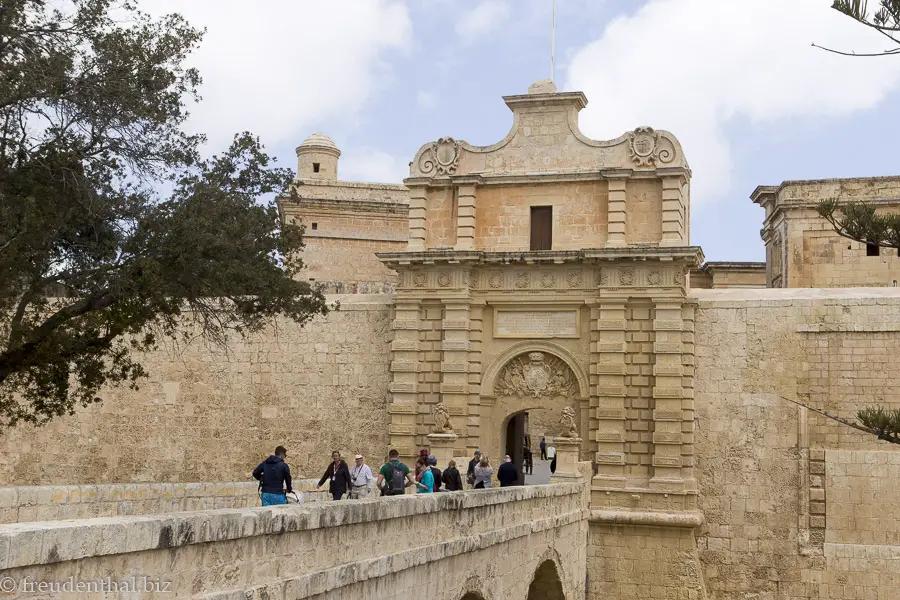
489	543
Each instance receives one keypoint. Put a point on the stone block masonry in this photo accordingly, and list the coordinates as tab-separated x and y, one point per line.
796	506
208	415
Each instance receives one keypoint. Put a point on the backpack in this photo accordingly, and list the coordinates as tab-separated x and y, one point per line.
398	479
437	478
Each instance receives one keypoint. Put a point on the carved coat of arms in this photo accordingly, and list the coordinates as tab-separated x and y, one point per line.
535	374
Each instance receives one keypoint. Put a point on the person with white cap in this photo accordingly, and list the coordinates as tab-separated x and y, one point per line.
361	480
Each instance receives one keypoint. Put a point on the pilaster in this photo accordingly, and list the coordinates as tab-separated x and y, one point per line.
476	334
608	398
668	394
465	219
404	375
454	390
616	213
674	212
417	196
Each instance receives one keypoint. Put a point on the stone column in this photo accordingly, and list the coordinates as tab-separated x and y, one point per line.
615	237
417	195
668	394
465	219
454	388
608	370
674	213
441	445
404	376
566	459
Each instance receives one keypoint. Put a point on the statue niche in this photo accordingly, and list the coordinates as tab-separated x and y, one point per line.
536	374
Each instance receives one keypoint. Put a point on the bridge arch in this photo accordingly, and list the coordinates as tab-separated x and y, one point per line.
546	584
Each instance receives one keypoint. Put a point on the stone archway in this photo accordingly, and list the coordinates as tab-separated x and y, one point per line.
533	384
472	596
546	583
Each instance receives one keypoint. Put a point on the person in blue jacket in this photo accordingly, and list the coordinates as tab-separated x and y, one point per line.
424	478
274	475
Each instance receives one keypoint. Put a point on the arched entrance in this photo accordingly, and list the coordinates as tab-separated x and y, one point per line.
546	584
472	596
530	390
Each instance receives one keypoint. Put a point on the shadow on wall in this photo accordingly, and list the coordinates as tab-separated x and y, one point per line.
546	584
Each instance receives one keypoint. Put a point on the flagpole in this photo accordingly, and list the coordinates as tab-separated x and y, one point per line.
553	46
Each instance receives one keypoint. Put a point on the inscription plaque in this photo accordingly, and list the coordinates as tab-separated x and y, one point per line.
536	323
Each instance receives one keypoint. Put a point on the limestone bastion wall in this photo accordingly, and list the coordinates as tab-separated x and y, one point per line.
205	415
796	505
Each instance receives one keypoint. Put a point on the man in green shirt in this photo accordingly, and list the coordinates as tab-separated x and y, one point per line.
394	476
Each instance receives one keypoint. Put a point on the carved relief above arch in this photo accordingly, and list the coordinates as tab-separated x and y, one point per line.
533	369
535	374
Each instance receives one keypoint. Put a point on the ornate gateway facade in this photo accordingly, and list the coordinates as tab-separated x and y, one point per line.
543	273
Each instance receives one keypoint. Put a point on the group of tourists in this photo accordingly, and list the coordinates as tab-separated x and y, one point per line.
394	477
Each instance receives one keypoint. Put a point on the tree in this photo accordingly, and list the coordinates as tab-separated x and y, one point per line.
96	265
885	20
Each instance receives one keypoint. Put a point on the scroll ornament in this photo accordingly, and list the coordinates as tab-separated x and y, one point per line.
440	158
649	148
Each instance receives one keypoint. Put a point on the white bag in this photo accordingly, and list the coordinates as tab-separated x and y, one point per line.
295	498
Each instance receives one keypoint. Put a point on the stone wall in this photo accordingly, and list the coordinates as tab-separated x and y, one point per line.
761	458
205	415
494	543
580	215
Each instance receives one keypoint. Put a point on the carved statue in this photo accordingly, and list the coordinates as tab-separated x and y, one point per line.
441	416
535	374
567	420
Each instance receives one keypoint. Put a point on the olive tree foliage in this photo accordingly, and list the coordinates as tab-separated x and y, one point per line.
885	20
97	265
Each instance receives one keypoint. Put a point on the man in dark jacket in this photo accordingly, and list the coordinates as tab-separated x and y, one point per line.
507	474
339	473
470	472
435	472
451	478
274	475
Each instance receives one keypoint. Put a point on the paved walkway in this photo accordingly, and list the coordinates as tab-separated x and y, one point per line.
541	472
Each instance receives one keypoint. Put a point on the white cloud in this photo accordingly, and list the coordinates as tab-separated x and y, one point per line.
692	66
426	100
483	19
278	67
368	164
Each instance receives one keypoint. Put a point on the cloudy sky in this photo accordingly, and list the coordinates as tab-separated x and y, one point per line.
737	82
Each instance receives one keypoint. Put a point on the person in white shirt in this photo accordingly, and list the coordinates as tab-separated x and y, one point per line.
361	479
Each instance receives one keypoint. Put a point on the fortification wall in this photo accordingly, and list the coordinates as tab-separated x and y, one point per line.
205	415
776	525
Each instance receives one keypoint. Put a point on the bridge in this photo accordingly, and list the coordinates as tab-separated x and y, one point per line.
210	541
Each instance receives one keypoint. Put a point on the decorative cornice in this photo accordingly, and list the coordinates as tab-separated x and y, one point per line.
692	255
690	519
560	99
345	206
